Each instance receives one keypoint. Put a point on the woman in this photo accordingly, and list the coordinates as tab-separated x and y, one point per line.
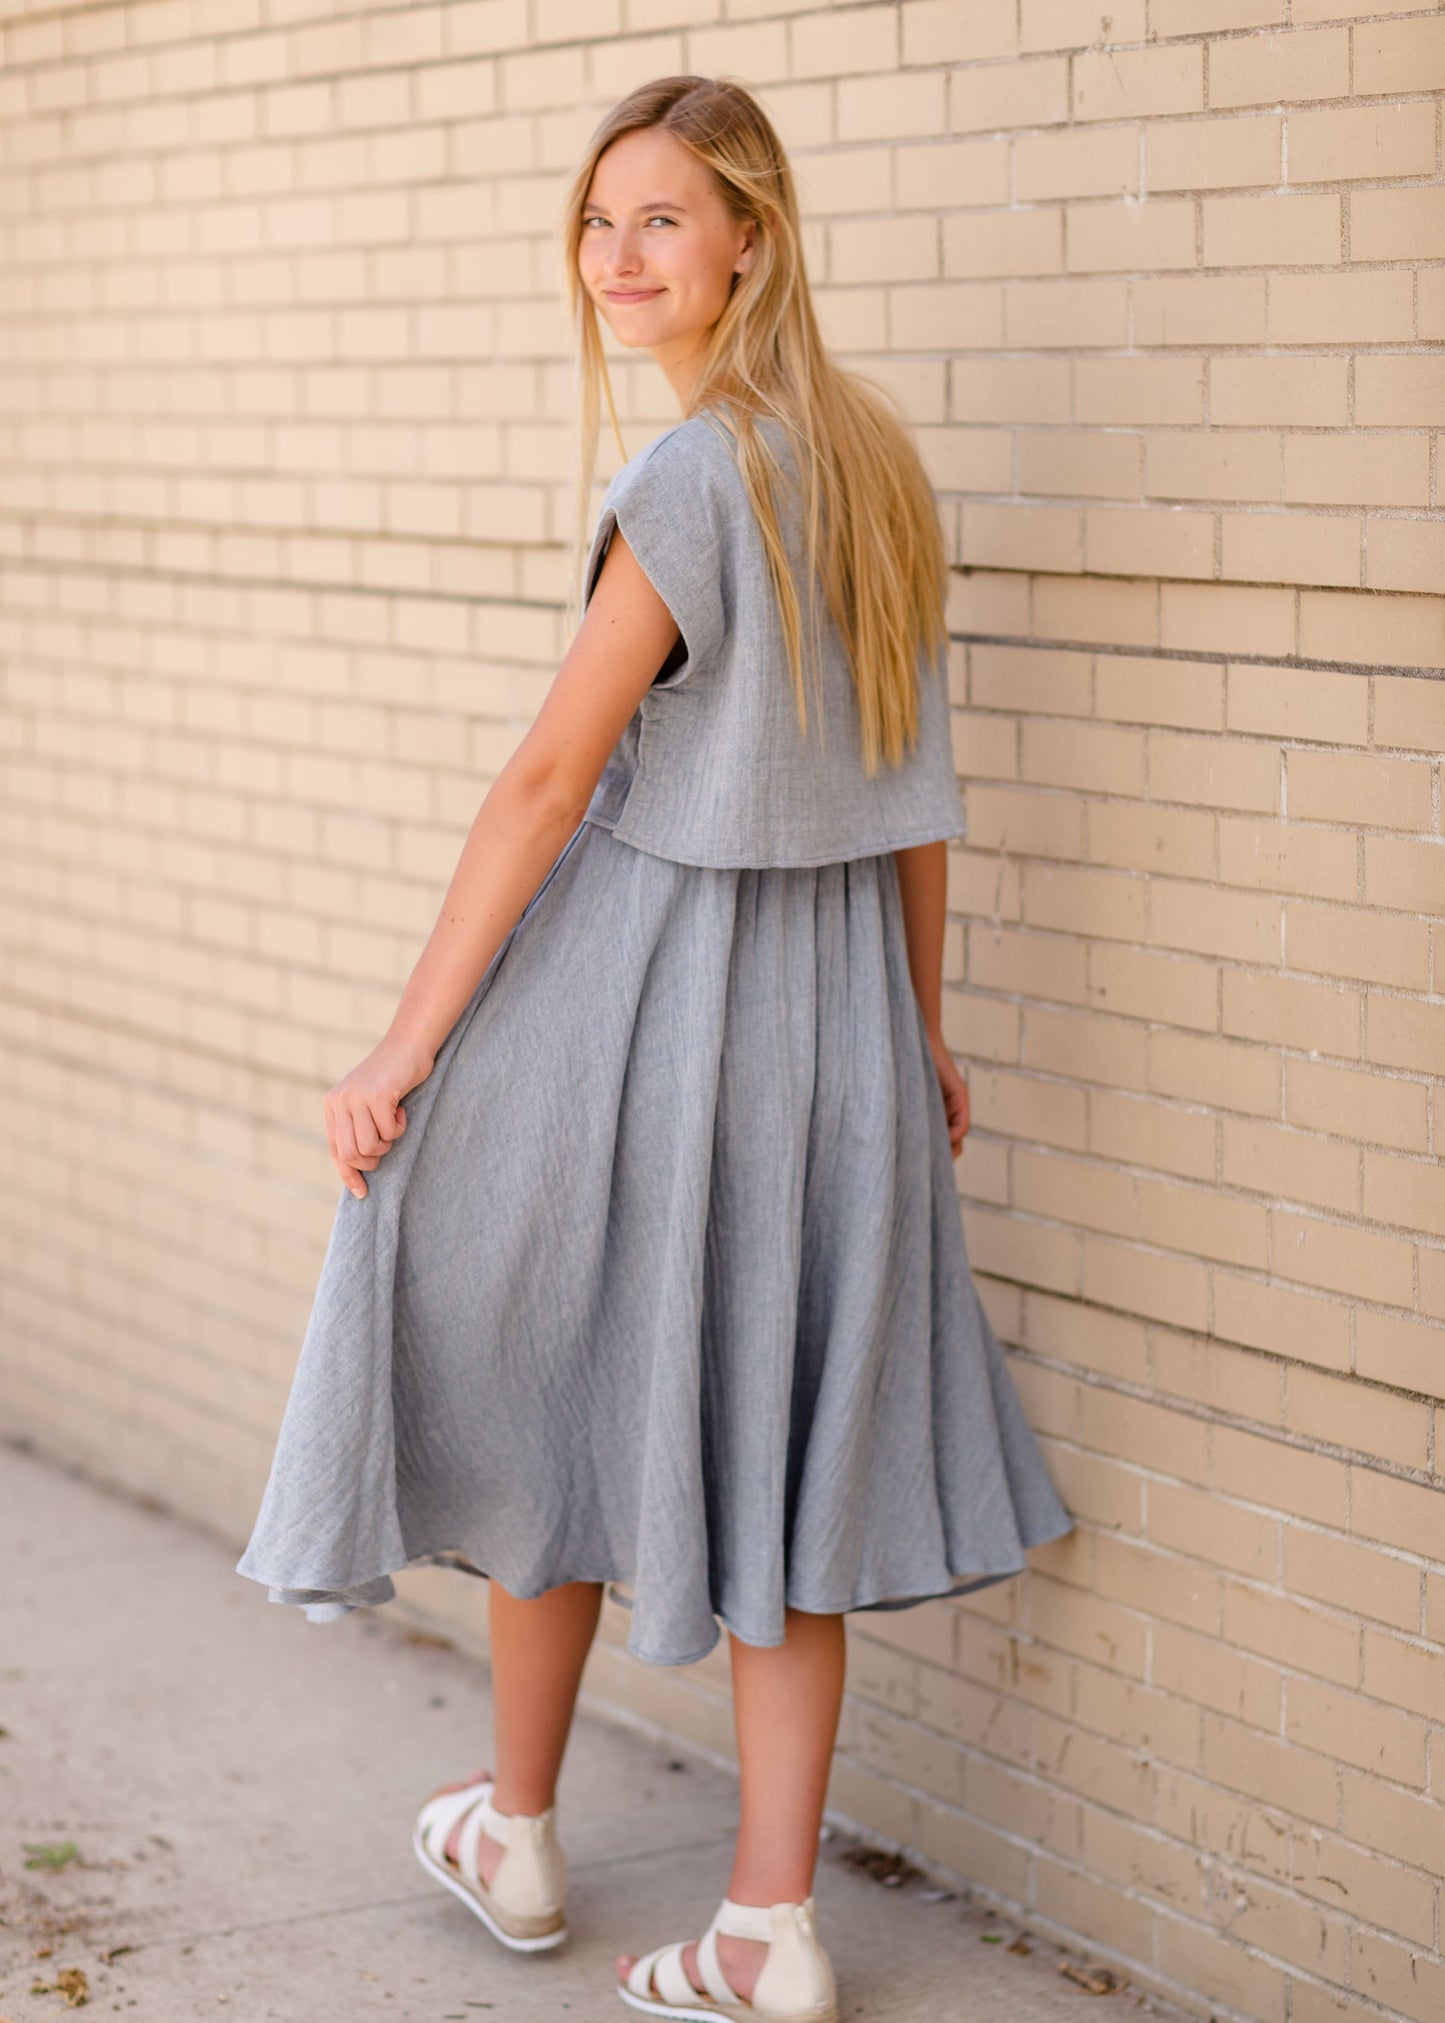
659	1278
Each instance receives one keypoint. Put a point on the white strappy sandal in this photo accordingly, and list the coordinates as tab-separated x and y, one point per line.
524	1904
795	1986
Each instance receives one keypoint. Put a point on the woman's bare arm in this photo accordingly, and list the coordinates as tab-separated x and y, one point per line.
923	886
533	806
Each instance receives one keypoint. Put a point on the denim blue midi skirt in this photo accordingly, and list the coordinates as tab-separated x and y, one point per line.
664	1284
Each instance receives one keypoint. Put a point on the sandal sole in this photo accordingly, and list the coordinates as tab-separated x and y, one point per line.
707	2012
459	1889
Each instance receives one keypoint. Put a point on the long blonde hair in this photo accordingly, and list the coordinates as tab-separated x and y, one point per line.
871	532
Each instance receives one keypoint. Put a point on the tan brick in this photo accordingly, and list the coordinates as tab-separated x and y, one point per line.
1271	230
1200	1815
1264	1470
1356	470
1074	1191
1394	391
1378	792
1134	1855
1201	1526
1038	682
1022	1106
1135	236
1261	1767
1099	758
1396	1823
939	175
892	106
935	32
1404	1034
1206	1370
1197	464
1142	837
1084	900
1293	1165
1198	1669
1010	389
1071	464
1112	613
1399	56
1376	308
1412	1982
1285	857
1298	703
1166	988
1283	1323
1096	1490
1347	1414
1158	1584
899	248
1131	541
1187	695
1405	874
1408	1193
1340	1259
1058	24
1375	1892
1405	1674
1085	162
1370	1583
1141	1282
1397	224
1157	1135
1317	1017
1410	714
1068	315
1404	554
1037	965
1412	1517
1279	392
1200	309
1344	941
1203	1223
1245	925
1087	1625
1376	1109
1102	1342
1344	143
1375	628
1146	392
1407	1354
1116	1707
984	747
1128	83
1080	1903
1279	69
1021	537
1212	154
1213	772
1025	824
1084	1048
1305	1639
1291	548
982	244
1223	1073
1226	618
1029	91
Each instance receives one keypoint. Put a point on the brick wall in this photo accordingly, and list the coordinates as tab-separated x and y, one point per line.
285	419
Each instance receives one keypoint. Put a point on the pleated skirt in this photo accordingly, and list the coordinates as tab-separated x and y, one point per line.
664	1284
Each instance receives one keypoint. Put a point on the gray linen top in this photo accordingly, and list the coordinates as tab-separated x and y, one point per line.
712	769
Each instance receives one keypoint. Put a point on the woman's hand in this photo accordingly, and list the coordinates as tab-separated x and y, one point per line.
955	1091
364	1117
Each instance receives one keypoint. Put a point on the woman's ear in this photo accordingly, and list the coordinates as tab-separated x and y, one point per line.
745	255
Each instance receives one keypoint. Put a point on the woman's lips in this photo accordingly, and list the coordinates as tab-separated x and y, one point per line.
631	295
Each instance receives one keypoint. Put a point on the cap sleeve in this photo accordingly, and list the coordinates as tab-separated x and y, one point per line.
666	502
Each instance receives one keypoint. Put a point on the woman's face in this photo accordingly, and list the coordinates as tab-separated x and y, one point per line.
659	247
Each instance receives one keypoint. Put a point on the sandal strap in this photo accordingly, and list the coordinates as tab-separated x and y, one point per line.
470	1835
743	1921
661	1973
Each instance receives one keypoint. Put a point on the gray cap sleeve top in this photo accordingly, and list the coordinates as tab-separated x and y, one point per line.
713	769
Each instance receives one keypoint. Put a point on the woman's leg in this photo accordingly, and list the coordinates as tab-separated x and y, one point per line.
538	1651
786	1701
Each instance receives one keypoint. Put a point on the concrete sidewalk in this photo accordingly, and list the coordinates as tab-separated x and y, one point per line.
240	1785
